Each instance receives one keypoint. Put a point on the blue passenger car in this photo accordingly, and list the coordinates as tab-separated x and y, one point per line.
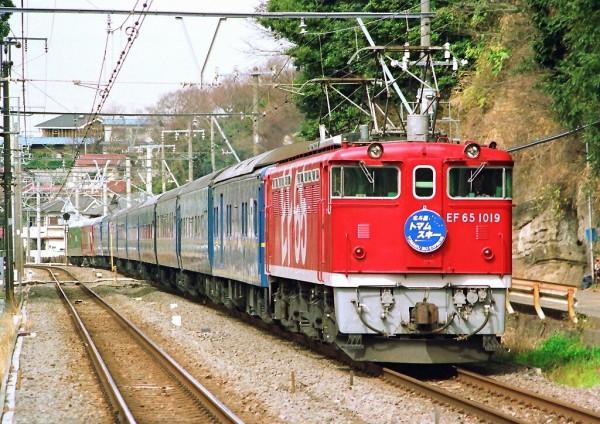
132	233
167	225
119	234
238	233
147	233
105	240
195	242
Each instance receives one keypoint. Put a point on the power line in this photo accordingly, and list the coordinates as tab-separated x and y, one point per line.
237	114
554	137
255	15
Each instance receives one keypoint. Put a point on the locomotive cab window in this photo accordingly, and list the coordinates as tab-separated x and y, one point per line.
424	182
482	182
361	181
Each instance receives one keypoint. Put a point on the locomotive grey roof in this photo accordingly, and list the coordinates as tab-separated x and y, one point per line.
265	159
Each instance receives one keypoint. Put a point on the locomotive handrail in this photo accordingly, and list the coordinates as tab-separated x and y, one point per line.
321	242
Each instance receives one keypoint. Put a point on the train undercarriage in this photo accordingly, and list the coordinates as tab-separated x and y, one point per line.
422	336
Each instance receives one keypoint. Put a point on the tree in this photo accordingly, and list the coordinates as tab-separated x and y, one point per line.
4	27
279	119
566	45
327	45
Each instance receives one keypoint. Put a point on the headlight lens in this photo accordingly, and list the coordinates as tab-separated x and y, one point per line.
375	150
472	150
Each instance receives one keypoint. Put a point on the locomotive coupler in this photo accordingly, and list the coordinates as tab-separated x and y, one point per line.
426	314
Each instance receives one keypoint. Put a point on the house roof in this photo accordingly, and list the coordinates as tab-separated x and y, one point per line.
68	121
52	141
125	122
91	159
75	121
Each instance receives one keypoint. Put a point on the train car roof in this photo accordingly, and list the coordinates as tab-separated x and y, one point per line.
242	168
151	201
200	183
83	222
265	159
97	219
400	150
171	194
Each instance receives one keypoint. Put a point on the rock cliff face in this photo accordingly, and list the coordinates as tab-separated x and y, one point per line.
550	180
546	247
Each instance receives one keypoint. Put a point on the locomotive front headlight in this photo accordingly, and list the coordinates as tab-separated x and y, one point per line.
472	150
375	150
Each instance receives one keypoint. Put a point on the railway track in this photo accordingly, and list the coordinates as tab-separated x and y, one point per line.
494	401
143	383
487	399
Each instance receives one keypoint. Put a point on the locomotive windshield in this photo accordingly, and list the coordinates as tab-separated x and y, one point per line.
364	181
480	182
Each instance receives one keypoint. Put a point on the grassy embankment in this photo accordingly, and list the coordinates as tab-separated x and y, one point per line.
562	358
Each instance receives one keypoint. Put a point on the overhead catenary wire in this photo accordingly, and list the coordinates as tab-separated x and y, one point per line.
554	137
239	15
273	109
133	34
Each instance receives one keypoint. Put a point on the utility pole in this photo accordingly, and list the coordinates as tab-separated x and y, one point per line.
190	151
18	213
8	224
38	222
256	139
128	180
212	145
149	170
191	131
162	166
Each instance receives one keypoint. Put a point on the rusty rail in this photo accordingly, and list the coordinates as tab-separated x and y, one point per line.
570	411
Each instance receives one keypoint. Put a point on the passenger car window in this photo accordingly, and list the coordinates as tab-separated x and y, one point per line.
364	181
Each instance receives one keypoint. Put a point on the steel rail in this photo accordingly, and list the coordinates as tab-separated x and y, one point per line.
116	398
215	407
481	411
546	403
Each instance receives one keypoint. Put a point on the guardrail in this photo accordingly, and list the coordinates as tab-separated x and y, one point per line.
540	293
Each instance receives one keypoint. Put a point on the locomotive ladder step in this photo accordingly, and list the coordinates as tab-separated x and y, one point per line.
354	342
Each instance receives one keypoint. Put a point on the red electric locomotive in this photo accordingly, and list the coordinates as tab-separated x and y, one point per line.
396	251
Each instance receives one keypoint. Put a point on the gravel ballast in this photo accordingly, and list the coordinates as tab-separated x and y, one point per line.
249	370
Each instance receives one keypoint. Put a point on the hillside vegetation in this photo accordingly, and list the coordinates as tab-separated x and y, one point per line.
552	180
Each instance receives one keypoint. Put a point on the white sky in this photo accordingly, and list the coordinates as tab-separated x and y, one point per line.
159	61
